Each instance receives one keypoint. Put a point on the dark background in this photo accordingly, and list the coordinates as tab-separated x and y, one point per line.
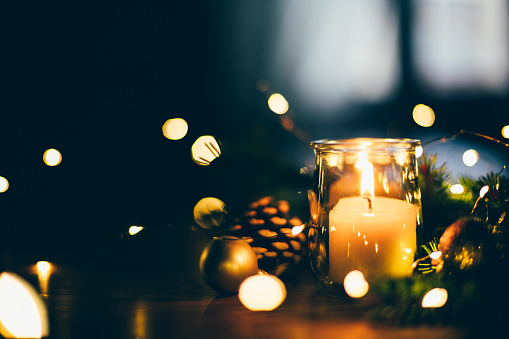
97	82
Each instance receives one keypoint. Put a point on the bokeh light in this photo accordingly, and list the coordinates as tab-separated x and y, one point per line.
435	255
483	191
52	157
457	189
205	149
435	298
278	103
4	184
209	212
505	131
423	115
22	311
470	157
355	284
175	129
418	151
297	229
135	230
262	292
262	85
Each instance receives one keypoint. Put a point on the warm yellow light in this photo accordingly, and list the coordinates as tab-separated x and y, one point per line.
435	298
175	129
505	131
52	157
43	273
22	311
297	229
457	189
205	149
262	292
278	103
423	115
418	151
135	229
368	181
209	212
435	255
470	157
483	191
4	184
43	266
355	284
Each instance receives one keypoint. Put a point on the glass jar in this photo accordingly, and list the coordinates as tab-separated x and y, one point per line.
365	210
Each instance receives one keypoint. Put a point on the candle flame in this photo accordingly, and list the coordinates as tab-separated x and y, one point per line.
368	180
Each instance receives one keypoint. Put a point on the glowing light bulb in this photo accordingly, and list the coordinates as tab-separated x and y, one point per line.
4	184
135	229
262	292
423	115
205	149
435	298
175	129
22	311
355	284
435	255
483	191
457	189
297	229
470	157
52	157
209	212
418	151
278	104
505	131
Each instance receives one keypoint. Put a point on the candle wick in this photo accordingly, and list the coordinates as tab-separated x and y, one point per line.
370	206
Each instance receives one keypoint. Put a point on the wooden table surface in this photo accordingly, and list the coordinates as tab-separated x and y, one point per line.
85	302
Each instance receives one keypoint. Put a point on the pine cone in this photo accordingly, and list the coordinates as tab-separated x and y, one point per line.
267	227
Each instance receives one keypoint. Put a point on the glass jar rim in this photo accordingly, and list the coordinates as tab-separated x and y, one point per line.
365	144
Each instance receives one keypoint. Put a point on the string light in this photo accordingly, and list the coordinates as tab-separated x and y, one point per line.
52	157
435	298
135	230
470	157
457	189
355	284
278	104
205	149
423	115
4	184
175	129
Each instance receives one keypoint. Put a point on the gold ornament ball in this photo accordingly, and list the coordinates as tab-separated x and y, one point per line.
226	261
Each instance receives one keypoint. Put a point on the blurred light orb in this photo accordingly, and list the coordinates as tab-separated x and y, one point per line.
297	229
175	129
457	189
423	115
22	311
262	85
262	292
470	157
278	103
355	284
435	255
435	298
135	230
43	266
209	212
505	131
4	184
418	151
52	157
483	191
205	149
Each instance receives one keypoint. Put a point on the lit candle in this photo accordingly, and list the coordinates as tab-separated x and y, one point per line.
375	235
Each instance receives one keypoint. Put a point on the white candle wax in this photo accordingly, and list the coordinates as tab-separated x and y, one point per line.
379	242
